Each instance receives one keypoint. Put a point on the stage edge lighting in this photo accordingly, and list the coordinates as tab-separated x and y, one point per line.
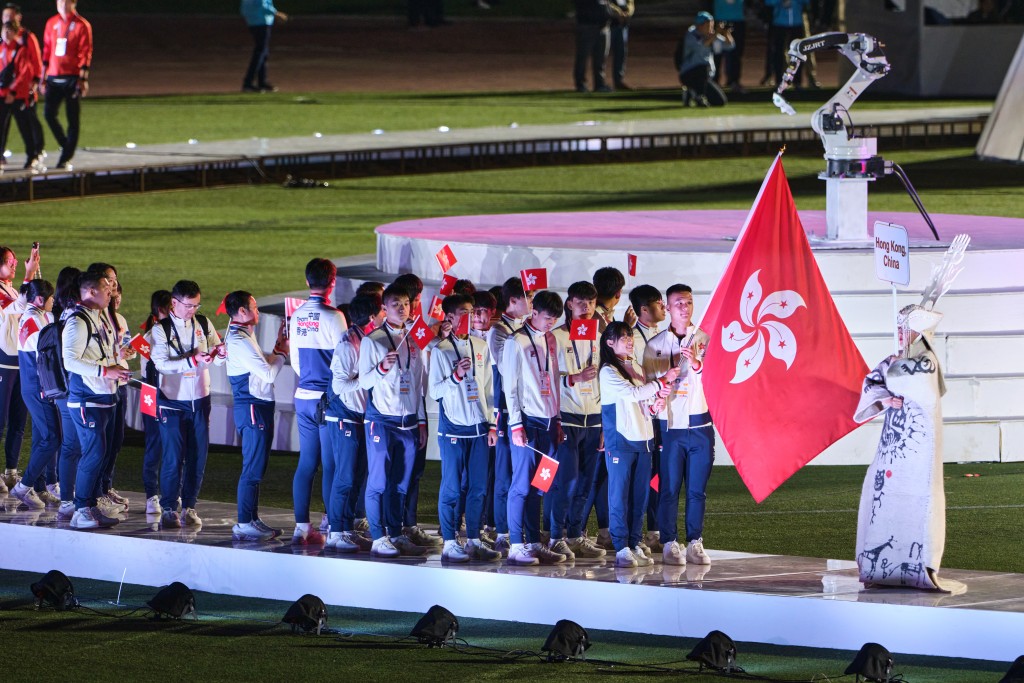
567	640
873	662
436	628
174	601
1016	672
54	589
716	651
308	613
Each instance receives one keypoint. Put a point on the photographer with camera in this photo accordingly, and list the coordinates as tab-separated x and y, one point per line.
695	61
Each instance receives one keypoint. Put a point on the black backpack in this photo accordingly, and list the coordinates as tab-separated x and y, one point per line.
53	378
149	367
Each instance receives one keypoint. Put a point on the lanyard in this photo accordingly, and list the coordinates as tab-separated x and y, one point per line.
536	355
408	351
68	30
455	345
640	328
590	360
181	346
101	335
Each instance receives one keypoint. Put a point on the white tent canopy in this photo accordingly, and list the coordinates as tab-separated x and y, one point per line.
1003	137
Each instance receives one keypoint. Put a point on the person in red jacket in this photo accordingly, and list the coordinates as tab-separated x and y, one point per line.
67	53
18	90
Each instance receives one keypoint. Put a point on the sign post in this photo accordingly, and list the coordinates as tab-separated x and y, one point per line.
892	262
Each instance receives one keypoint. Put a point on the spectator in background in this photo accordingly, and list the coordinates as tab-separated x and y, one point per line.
695	61
20	100
67	54
731	12
260	16
592	41
787	26
621	12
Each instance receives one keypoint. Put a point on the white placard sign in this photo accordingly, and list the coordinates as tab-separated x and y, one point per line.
892	253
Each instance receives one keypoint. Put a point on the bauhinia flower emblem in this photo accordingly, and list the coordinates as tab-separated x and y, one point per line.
755	314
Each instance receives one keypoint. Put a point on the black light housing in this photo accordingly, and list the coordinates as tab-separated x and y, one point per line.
717	651
873	662
436	628
1016	672
55	590
308	613
174	601
567	640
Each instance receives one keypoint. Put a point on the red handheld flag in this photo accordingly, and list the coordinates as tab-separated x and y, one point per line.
27	330
631	264
140	344
223	308
545	475
780	366
436	309
291	304
448	284
147	399
534	278
420	334
446	258
417	310
462	328
583	330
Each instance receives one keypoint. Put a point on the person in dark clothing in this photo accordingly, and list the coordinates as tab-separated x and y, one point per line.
592	42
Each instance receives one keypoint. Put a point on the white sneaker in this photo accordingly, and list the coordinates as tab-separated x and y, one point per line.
673	554
169	519
66	511
625	558
642	560
405	545
480	552
83	519
191	517
546	556
521	554
453	552
562	548
341	541
113	495
695	552
153	505
105	521
583	547
109	507
27	496
382	547
249	532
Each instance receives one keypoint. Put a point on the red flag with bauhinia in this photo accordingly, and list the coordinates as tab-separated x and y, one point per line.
448	284
140	344
583	330
420	334
631	264
27	330
436	309
147	399
534	278
782	375
545	475
291	304
446	258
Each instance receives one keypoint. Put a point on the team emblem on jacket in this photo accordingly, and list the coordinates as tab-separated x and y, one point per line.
376	439
615	461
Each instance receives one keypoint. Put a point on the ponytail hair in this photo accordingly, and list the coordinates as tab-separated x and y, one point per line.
615	331
38	288
159	302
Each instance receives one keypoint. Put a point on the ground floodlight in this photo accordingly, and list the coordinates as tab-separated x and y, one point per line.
1016	672
567	640
308	613
55	590
436	628
716	651
873	662
174	601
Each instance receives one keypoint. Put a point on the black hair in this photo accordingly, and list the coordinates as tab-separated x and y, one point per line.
548	302
482	299
496	292
364	307
511	289
463	287
678	289
13	6
160	299
344	310
643	295
23	288
185	289
102	268
582	290
412	284
90	279
372	287
236	301
67	293
452	302
394	291
38	288
615	331
320	273
608	281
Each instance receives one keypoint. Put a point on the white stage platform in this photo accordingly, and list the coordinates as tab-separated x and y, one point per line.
790	601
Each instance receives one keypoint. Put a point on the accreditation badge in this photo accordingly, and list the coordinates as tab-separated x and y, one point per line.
545	385
404	382
61	48
472	389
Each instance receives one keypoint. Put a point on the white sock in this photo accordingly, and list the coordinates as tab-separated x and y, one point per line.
302	526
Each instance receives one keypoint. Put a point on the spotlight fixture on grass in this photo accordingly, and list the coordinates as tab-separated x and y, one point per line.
873	662
174	601
436	628
308	613
1016	672
55	590
716	651
567	641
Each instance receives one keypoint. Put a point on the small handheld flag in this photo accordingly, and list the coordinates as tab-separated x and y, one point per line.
446	258
147	399
448	284
140	344
583	330
546	469
534	278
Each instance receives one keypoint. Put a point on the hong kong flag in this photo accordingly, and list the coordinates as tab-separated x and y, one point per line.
462	327
436	309
583	330
782	375
291	304
534	278
631	264
223	308
420	334
446	258
546	469
140	344
147	399
448	284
